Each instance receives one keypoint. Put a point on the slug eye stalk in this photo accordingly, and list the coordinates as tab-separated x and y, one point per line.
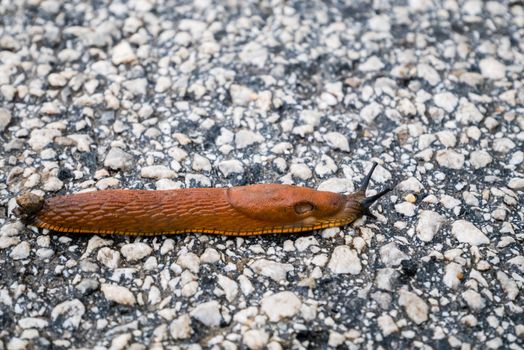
366	202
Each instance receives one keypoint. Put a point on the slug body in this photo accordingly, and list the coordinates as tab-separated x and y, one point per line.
237	211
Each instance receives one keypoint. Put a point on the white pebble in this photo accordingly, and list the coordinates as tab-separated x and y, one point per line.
280	305
135	251
415	307
345	260
68	313
272	269
118	294
20	251
180	328
336	140
208	313
465	232
157	172
492	69
429	223
123	53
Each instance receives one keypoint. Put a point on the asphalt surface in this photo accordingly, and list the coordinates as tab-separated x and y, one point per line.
159	94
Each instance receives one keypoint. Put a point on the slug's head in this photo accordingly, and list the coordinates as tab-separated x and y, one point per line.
359	199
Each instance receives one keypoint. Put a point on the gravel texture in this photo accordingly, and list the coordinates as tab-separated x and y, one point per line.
159	94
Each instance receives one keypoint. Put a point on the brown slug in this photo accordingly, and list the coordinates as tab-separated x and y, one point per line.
235	211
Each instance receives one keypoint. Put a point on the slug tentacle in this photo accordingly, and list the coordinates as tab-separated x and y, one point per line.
366	202
365	182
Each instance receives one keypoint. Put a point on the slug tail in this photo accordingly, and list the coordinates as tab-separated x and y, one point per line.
29	205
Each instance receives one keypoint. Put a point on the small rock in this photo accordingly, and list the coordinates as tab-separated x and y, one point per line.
336	140
301	171
108	257
446	100
303	243
208	313
135	251
492	69
479	159
468	113
245	138
87	286
255	339
181	327
428	73
465	232
508	285
429	223
450	159
254	53
387	325
337	185
372	64
118	294
415	307
447	138
499	214
241	95
229	287
405	208
503	145
280	305
32	322
210	256
52	184
452	275
391	256
189	261
345	260
117	159
201	163
272	269
386	279
473	299
228	167
370	112
121	341
410	185
516	183
157	172
69	313
20	251
5	118
137	87
123	53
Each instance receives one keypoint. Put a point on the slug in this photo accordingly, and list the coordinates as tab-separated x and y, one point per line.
237	211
